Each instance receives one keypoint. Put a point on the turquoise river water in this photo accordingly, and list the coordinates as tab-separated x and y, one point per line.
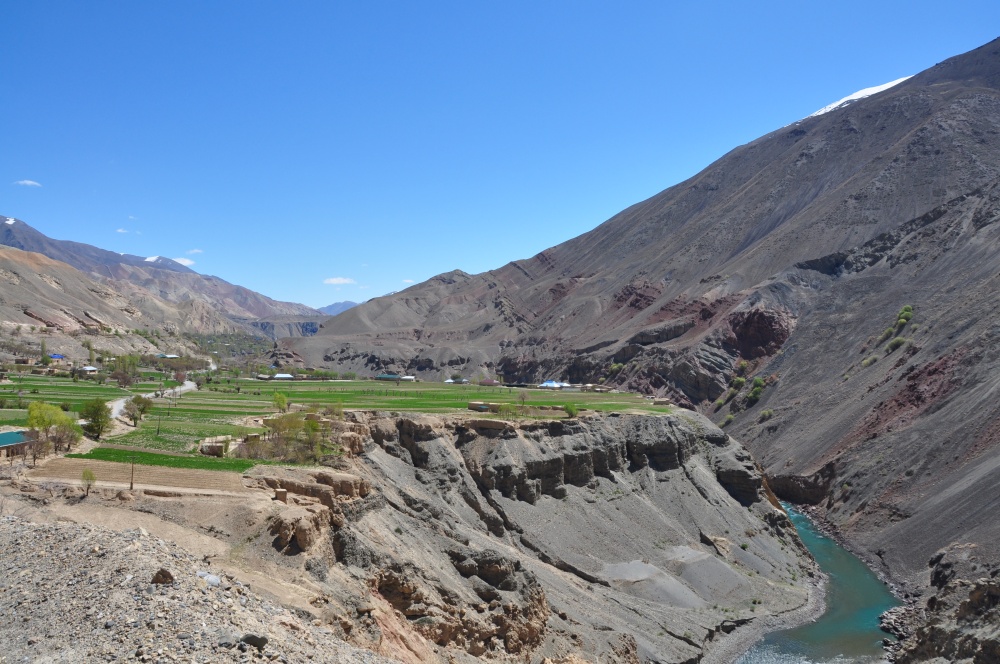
847	633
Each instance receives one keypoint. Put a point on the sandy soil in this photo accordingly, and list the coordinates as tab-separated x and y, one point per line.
118	475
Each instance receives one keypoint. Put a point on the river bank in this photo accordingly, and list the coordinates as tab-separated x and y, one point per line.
730	647
847	603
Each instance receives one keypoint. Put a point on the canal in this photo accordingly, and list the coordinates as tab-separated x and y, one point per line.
847	633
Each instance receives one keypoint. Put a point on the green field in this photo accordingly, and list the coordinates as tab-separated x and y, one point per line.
56	391
422	397
170	461
178	424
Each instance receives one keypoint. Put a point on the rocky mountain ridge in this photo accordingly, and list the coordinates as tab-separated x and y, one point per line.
825	291
163	277
44	299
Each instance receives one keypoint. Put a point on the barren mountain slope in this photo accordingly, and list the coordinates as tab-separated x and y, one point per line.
669	281
167	279
38	291
794	254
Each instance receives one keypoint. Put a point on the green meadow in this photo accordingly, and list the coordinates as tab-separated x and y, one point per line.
176	425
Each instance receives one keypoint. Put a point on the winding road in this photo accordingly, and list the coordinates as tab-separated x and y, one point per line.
119	404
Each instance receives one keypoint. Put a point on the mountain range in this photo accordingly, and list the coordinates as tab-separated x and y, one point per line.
162	277
826	291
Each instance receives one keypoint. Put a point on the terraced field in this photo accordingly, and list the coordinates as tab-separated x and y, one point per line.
177	424
108	472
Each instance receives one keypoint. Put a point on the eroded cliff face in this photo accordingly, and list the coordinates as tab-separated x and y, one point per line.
960	623
619	538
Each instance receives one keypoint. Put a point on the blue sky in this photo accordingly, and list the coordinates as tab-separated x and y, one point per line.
327	151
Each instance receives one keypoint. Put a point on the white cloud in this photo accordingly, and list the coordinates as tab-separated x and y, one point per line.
194	251
184	261
336	281
407	281
131	218
121	230
28	183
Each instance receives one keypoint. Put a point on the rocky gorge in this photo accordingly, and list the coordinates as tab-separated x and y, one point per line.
611	537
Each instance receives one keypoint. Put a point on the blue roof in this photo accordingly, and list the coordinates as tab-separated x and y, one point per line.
11	438
57	356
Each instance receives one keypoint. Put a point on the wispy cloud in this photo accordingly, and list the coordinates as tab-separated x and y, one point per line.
121	230
28	183
194	251
184	261
407	281
131	218
337	281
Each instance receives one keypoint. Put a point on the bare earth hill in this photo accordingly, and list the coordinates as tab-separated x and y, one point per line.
163	277
789	259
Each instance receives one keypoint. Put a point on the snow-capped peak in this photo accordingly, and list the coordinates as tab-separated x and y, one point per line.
860	94
10	221
152	259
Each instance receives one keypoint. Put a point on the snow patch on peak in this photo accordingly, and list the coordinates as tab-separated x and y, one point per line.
10	221
152	259
860	94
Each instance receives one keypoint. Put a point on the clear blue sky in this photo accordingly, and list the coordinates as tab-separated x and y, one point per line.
282	145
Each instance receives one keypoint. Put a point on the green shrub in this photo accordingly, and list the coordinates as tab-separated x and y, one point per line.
765	415
742	367
868	361
894	344
728	420
889	331
744	546
754	395
758	382
738	382
571	410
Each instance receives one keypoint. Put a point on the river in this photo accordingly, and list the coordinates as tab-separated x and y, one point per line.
847	633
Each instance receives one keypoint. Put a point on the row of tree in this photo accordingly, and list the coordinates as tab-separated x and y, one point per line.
51	429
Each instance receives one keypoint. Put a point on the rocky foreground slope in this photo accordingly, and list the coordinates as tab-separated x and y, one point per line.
615	538
79	593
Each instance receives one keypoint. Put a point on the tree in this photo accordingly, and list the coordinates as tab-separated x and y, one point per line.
38	447
46	360
43	416
122	377
88	479
98	417
144	403
65	435
132	411
280	401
